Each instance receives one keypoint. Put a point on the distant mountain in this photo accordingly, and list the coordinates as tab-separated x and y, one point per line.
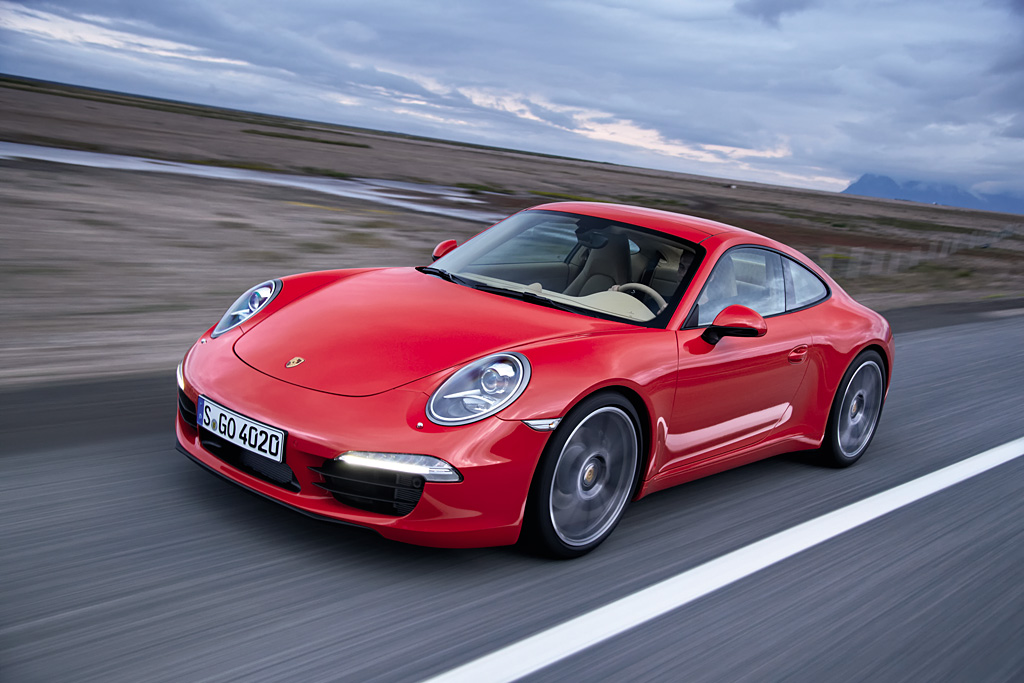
884	187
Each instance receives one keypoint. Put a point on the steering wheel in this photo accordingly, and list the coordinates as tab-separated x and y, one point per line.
649	291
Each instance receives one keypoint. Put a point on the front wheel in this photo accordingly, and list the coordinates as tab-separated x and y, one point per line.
855	411
586	477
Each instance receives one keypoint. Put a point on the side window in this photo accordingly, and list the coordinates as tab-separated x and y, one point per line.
749	277
803	287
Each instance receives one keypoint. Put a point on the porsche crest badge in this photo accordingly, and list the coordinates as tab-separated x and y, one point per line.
298	360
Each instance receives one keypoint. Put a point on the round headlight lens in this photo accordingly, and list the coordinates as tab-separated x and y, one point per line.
260	297
247	306
496	377
479	390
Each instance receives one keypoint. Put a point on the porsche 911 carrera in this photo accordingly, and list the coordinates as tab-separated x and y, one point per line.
527	385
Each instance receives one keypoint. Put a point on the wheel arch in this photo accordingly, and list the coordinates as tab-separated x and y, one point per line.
881	351
645	426
830	452
535	532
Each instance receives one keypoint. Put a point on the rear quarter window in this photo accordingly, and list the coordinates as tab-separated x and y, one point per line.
803	287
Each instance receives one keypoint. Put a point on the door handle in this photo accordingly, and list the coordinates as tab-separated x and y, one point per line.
798	354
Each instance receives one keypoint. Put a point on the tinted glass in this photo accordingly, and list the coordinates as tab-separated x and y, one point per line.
579	262
749	277
804	286
550	239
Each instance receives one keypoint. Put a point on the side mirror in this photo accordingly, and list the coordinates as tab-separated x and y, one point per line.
443	248
735	321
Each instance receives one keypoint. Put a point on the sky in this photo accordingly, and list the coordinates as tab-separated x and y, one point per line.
804	93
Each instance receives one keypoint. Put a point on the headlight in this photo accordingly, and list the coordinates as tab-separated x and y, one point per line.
480	389
247	305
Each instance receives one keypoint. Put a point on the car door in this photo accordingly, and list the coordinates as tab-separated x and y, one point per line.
732	394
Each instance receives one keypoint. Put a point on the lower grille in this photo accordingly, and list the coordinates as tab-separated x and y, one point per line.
187	408
366	488
276	473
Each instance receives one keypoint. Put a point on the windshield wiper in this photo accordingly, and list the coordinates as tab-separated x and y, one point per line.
445	275
535	298
526	295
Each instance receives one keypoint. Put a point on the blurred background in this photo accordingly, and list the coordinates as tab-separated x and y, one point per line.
158	159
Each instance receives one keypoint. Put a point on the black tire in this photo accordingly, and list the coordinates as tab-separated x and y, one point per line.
856	411
585	479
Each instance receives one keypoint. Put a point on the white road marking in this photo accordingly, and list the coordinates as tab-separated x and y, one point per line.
547	647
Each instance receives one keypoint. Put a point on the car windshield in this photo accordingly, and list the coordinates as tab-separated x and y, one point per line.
589	265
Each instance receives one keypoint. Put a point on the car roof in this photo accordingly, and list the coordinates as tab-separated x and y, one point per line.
688	227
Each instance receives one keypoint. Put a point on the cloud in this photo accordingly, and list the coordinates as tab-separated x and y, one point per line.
771	11
88	32
917	89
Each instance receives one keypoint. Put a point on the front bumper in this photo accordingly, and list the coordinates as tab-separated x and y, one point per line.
496	457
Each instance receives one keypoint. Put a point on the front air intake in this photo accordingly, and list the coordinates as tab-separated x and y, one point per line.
371	489
187	409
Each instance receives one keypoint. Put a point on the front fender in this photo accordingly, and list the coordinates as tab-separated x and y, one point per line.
567	370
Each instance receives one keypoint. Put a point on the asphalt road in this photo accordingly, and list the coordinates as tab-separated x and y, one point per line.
123	561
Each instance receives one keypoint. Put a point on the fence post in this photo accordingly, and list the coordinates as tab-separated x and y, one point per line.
875	262
826	261
894	262
853	267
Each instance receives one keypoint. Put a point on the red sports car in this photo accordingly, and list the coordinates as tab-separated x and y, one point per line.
533	381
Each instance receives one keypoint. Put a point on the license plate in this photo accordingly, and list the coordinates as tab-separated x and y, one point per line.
249	434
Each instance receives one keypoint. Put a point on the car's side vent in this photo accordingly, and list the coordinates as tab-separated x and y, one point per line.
366	488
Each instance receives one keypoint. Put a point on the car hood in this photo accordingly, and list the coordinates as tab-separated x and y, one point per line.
380	329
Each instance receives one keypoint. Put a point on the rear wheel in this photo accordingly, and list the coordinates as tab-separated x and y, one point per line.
856	409
586	477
